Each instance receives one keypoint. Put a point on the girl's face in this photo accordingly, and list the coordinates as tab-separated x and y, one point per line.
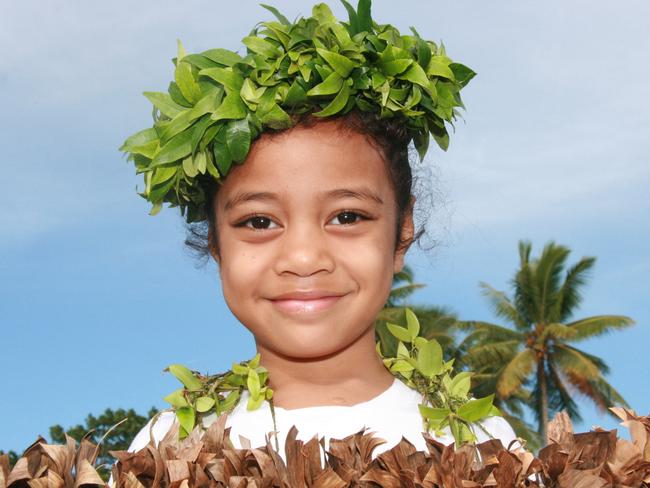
306	231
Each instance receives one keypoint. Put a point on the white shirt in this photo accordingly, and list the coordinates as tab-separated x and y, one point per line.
390	415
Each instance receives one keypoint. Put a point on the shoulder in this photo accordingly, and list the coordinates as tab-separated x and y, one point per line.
155	429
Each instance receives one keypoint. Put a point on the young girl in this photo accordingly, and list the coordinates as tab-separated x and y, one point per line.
307	234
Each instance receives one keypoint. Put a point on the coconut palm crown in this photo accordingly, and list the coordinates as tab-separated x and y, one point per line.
535	357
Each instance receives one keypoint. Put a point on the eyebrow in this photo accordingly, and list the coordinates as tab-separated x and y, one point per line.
358	193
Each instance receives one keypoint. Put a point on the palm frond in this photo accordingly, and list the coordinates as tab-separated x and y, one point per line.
524	252
515	372
492	353
569	296
609	395
599	362
556	331
406	275
526	294
502	305
572	361
548	274
401	292
559	397
598	325
491	331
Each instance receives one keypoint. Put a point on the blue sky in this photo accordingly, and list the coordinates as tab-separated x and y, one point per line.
97	297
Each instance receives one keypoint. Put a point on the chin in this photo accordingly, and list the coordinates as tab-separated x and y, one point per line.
309	346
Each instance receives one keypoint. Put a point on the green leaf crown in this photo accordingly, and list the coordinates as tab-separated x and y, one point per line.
219	101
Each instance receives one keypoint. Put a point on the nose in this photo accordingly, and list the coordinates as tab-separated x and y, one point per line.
304	251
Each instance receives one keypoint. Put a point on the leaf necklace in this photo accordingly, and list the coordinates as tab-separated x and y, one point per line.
447	402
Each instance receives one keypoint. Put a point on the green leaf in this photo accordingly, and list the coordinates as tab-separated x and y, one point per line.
254	403
253	383
232	107
339	63
222	156
412	323
138	139
239	369
177	398
201	62
432	413
424	52
336	105
462	73
255	362
441	136
238	139
400	332
322	13
201	161
429	361
250	92
363	16
295	95
439	66
461	384
402	351
155	209
210	167
415	74
283	20
395	66
352	16
332	84
189	168
176	148
185	80
276	118
164	103
185	376
261	46
475	410
204	403
401	366
223	56
231	400
226	76
177	96
186	418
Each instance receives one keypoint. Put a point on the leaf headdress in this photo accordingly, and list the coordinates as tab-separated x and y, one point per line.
220	101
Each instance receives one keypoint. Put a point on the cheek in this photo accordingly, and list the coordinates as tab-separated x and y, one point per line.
370	262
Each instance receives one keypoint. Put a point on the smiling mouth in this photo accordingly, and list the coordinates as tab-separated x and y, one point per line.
306	306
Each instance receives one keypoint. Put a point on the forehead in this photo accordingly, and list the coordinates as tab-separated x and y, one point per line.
308	162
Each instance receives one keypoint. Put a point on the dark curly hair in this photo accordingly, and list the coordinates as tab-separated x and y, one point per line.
388	135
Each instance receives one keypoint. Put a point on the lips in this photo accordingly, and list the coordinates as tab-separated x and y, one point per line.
305	302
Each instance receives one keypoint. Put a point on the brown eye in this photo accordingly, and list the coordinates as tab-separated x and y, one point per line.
347	218
257	222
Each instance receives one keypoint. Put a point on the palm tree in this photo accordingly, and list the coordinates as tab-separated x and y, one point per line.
535	358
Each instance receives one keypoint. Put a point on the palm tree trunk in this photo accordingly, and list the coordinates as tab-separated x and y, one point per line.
543	402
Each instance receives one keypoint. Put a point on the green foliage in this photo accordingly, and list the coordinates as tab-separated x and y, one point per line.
533	364
447	399
418	362
203	396
219	101
119	436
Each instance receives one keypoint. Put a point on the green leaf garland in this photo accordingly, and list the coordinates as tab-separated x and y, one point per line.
220	101
419	363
